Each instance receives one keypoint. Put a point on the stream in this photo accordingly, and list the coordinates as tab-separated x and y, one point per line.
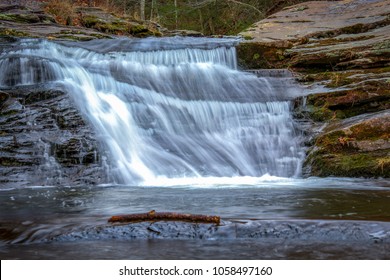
181	129
331	218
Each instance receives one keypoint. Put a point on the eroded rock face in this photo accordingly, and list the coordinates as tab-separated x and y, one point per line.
342	46
45	141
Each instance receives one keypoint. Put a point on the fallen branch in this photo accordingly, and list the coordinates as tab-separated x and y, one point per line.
154	216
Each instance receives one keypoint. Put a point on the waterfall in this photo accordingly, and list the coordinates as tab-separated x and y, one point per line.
168	108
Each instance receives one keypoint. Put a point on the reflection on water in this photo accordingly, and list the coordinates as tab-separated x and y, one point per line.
30	215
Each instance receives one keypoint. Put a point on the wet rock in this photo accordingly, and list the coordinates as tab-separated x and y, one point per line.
286	230
3	97
45	141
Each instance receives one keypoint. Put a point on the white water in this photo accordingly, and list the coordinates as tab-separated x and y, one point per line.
170	111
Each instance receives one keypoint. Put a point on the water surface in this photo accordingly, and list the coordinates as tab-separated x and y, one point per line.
31	217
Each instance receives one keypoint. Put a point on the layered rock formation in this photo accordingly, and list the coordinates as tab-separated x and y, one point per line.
45	141
344	47
86	23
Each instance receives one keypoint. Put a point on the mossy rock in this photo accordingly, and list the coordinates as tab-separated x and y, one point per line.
112	27
350	165
355	147
256	56
140	31
13	32
78	35
21	18
90	21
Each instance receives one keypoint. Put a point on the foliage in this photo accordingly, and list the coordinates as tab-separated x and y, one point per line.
207	16
62	10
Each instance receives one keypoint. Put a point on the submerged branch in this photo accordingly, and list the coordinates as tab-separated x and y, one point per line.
164	216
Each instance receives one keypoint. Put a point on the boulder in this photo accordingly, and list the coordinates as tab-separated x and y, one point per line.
354	147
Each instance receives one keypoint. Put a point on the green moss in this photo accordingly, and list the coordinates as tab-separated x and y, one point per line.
383	69
90	21
248	37
320	114
355	163
300	8
256	56
338	79
371	130
20	18
5	17
12	32
140	31
75	37
330	139
279	54
333	79
114	27
348	165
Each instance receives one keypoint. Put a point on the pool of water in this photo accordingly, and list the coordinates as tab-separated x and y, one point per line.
329	218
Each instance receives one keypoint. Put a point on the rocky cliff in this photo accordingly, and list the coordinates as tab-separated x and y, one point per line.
342	48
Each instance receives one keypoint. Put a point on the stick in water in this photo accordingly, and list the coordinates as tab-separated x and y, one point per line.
164	216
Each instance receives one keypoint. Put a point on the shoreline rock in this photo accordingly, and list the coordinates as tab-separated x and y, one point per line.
344	47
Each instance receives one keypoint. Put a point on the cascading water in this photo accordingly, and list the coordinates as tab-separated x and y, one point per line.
168	112
169	108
